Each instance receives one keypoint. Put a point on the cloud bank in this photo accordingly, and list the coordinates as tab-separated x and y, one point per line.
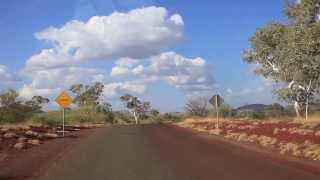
5	75
183	73
137	41
139	33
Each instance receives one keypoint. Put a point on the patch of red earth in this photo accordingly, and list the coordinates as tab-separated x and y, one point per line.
297	138
299	163
264	129
25	164
7	144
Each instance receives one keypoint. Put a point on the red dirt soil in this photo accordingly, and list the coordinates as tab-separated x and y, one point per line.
26	163
304	164
266	130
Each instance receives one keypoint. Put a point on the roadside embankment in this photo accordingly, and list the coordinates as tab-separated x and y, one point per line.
286	137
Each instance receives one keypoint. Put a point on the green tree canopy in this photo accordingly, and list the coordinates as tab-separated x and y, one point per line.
87	95
139	109
290	52
12	109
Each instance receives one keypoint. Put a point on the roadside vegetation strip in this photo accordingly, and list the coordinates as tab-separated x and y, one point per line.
287	137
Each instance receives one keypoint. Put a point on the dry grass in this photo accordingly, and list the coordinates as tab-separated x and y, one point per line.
202	120
312	119
288	136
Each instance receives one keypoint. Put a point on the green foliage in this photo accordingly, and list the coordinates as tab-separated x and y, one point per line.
9	98
123	117
13	110
173	117
276	110
87	95
106	109
86	114
35	104
286	95
225	111
306	12
130	101
51	118
290	52
250	114
139	109
256	115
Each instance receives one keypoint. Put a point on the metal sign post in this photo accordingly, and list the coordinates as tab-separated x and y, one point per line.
216	101
63	118
217	111
64	101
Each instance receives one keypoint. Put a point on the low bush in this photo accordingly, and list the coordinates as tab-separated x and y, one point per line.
73	116
226	111
173	117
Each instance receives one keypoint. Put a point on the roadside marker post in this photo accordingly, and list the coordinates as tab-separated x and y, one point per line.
217	111
216	101
64	101
63	119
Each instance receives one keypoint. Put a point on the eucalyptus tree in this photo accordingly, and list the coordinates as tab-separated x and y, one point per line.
87	95
290	53
13	109
137	108
36	103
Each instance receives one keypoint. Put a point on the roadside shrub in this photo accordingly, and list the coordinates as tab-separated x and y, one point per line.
85	114
12	114
123	117
276	110
225	111
72	116
51	118
13	110
251	114
110	117
173	117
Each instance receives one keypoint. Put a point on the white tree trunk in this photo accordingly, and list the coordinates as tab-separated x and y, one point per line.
297	108
307	100
307	107
135	116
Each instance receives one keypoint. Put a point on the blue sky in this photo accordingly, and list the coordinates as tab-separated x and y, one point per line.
202	40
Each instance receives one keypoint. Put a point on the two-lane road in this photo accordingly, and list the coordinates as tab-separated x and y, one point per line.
159	152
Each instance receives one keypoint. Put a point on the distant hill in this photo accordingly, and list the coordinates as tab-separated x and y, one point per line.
252	107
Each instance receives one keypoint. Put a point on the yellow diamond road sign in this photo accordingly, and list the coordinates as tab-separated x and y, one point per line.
64	100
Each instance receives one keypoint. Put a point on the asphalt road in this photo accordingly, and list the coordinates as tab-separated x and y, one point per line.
160	152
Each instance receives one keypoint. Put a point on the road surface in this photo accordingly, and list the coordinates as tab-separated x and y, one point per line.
160	152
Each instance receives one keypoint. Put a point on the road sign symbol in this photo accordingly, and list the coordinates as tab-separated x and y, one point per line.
216	100
64	100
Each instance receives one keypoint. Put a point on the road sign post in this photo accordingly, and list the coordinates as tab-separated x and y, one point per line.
216	101
64	101
63	119
217	111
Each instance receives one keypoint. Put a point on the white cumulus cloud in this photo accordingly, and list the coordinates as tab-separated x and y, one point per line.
184	73
113	89
138	33
5	75
51	81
